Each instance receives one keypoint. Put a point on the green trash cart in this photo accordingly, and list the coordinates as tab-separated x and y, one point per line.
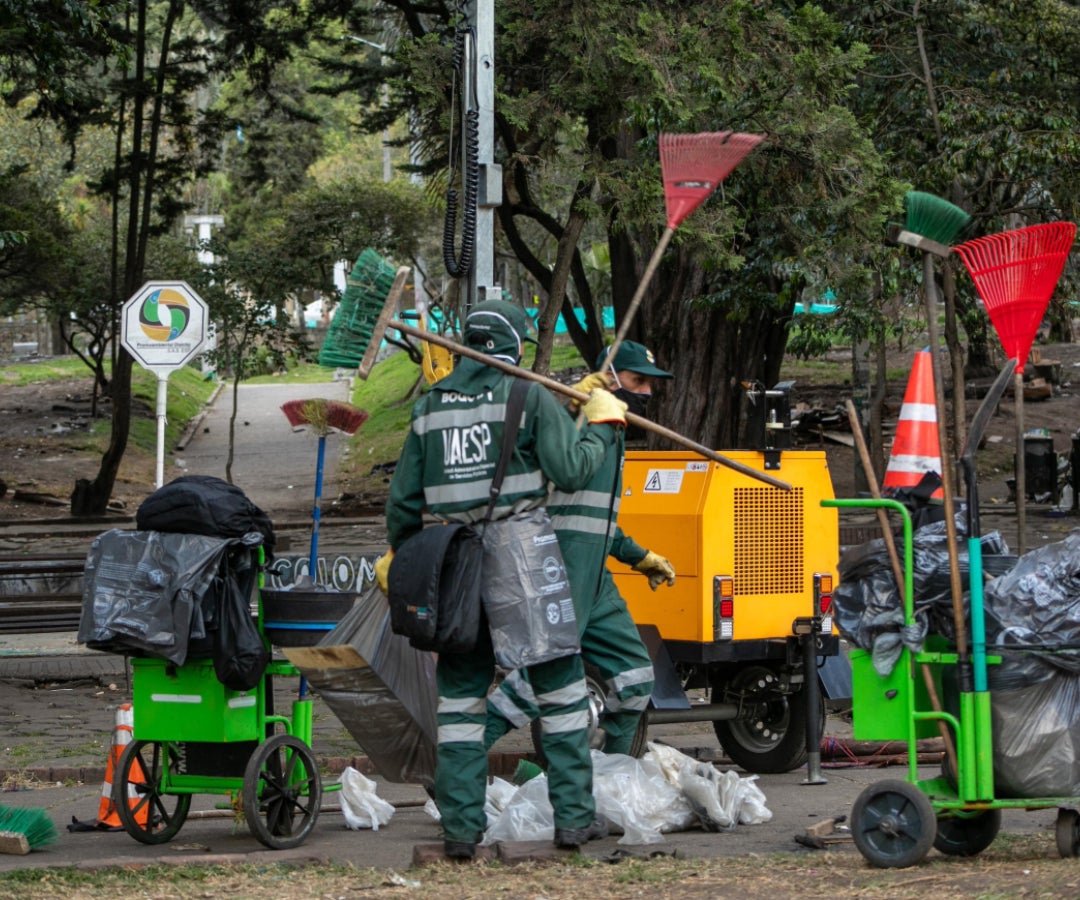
895	822
193	735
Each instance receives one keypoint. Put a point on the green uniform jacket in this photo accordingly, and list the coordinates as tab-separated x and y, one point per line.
452	449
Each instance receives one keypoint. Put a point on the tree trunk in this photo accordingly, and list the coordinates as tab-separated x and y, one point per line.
91	498
709	352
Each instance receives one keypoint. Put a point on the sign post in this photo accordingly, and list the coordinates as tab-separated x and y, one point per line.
163	327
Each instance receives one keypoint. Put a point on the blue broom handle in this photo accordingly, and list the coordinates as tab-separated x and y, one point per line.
315	515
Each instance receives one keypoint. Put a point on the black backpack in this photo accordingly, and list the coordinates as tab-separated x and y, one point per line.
203	504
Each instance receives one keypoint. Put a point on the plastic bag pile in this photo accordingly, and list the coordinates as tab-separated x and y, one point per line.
664	791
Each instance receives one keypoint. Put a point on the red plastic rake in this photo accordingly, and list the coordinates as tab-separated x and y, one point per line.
1015	272
692	166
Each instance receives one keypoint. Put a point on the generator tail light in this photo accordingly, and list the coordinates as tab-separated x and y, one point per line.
723	608
823	596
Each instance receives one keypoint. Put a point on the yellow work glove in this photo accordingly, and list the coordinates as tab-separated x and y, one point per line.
382	571
604	407
591	382
657	569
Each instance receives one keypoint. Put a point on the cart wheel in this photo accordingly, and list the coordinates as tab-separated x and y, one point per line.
282	792
1068	832
967	834
149	814
770	737
893	824
596	688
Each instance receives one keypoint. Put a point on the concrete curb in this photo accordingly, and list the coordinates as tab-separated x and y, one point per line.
196	421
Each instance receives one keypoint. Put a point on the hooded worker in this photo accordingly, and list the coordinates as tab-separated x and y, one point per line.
585	524
446	469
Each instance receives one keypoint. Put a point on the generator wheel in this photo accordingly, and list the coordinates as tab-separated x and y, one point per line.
770	737
893	824
1068	832
147	813
597	690
282	792
967	834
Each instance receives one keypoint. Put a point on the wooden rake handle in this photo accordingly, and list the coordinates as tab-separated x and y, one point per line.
580	397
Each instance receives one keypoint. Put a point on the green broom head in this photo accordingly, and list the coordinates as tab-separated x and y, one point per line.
34	824
934	218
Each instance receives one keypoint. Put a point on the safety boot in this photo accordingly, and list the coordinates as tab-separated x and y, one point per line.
573	838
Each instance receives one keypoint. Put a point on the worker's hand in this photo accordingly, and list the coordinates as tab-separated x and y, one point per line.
382	571
591	382
657	569
604	407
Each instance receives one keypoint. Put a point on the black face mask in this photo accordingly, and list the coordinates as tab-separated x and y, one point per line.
635	403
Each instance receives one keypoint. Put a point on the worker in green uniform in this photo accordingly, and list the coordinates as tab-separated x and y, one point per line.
585	524
446	469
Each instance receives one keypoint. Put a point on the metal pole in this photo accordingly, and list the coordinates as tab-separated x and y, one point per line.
162	405
479	62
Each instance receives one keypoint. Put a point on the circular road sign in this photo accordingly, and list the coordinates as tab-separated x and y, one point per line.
164	325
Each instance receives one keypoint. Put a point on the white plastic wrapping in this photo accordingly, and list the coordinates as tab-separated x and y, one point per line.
361	806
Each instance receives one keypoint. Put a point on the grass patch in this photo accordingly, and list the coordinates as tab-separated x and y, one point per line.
297	373
35	371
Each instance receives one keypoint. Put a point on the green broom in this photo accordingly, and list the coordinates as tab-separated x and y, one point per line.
23	830
932	224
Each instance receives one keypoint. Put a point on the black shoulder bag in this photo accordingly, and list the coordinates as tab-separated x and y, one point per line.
435	577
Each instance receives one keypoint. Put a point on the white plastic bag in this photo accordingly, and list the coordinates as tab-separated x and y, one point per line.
719	799
637	799
360	805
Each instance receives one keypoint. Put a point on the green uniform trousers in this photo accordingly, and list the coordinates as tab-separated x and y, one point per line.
461	775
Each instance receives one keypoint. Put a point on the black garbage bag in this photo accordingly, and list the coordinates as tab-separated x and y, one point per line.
203	504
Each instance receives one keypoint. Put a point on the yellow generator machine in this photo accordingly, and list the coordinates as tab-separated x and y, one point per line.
751	607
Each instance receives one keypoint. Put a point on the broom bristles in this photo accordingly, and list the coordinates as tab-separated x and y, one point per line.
324	416
934	218
34	824
693	165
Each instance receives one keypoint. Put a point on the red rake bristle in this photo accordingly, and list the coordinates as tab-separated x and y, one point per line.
1015	273
324	416
345	418
693	165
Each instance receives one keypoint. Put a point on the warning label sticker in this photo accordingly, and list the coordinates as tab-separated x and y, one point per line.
663	481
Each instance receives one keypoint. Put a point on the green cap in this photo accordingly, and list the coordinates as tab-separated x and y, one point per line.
495	319
632	357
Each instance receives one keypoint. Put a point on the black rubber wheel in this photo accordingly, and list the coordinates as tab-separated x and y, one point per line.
893	824
282	792
1068	833
770	737
597	691
967	833
154	817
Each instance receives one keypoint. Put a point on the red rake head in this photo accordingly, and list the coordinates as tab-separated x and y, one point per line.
693	165
1015	272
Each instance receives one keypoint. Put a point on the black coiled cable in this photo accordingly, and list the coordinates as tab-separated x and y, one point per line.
457	264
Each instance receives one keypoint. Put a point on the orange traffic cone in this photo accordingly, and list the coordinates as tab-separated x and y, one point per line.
107	816
916	449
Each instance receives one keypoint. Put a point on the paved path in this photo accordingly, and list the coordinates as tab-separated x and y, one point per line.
274	465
